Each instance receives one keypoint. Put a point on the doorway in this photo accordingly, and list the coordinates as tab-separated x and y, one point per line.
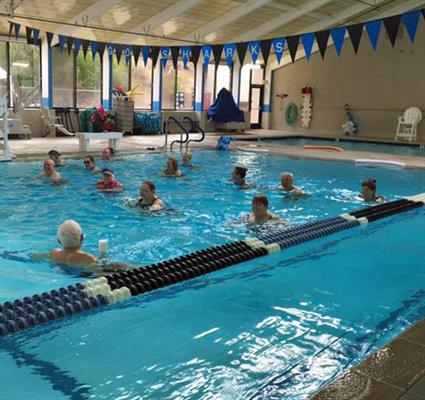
255	105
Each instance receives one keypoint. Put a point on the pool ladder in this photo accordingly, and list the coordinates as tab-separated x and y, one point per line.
184	133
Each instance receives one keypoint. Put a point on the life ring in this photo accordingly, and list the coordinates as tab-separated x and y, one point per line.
333	148
291	113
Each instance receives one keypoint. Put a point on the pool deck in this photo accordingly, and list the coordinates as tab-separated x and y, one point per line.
395	371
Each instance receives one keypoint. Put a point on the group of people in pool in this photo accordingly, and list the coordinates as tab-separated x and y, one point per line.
70	234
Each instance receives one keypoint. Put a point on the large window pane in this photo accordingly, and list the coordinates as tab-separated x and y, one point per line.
88	80
185	95
209	78
168	86
63	78
3	69
141	76
257	78
223	78
25	73
120	72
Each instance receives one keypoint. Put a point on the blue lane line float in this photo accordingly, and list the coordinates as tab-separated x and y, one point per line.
40	308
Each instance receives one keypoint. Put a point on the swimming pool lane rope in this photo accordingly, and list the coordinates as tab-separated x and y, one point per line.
40	308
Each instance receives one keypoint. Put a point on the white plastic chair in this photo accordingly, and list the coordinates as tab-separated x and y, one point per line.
408	124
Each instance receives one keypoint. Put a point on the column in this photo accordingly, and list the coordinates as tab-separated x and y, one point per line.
46	74
106	81
157	87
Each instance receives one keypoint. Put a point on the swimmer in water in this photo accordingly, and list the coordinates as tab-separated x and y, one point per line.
238	177
90	165
172	168
49	172
187	158
260	213
287	186
108	183
107	153
368	191
55	156
148	199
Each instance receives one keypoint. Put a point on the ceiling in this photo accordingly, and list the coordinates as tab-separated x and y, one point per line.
169	22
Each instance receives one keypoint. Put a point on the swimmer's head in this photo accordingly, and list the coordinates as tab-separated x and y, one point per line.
187	157
48	165
260	203
172	164
89	162
286	179
54	155
107	174
106	152
369	189
70	234
147	189
239	173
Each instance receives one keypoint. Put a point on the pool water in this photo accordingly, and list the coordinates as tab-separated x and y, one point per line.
278	327
355	145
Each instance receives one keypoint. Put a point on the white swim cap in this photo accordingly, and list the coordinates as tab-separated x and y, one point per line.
69	234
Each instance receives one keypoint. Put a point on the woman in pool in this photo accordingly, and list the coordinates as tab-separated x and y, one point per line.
108	183
187	160
107	153
238	177
148	198
55	156
260	213
90	165
172	168
368	191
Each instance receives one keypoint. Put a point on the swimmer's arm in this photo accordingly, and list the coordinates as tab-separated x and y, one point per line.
158	205
40	256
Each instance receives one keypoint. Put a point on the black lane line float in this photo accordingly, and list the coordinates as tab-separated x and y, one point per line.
34	310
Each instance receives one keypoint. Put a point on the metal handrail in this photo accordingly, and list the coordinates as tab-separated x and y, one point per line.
183	130
194	125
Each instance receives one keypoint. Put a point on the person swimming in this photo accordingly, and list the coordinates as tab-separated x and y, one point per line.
108	183
148	198
90	165
70	236
172	168
49	172
55	156
368	191
238	177
108	153
187	158
260	213
286	182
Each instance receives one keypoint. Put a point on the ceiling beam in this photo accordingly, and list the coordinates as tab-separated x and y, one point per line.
404	7
286	7
281	20
178	8
225	19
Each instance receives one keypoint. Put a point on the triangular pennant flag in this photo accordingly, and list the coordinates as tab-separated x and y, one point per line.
322	38
372	30
101	46
93	48
85	46
195	51
241	49
185	52
165	52
206	53
145	54
17	27
254	50
355	32
127	53
410	21
118	52
35	34
175	51
28	32
229	51
307	39
293	42
49	36
391	26
10	27
61	40
265	46
278	46
338	35
136	54
155	54
69	43
217	49
77	45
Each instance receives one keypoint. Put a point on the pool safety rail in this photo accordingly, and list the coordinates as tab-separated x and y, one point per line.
40	308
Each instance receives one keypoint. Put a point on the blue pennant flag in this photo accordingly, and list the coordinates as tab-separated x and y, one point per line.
93	48
77	44
254	50
35	34
338	35
308	40
372	29
145	54
61	42
410	21
16	28
206	53
110	50
164	53
229	50
185	52
278	46
127	53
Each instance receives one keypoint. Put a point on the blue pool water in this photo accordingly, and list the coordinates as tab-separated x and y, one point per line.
278	327
356	145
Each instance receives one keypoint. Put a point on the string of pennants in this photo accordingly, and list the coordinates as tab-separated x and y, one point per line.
373	29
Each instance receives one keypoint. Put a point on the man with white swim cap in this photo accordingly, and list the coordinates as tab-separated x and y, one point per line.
70	236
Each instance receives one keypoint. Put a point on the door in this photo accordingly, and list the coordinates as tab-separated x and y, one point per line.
256	100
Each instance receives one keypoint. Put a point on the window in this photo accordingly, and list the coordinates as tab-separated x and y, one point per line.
120	72
250	73
168	86
209	81
185	95
62	78
223	78
25	73
141	77
88	80
3	69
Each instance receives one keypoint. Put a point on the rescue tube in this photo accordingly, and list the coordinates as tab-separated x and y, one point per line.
333	148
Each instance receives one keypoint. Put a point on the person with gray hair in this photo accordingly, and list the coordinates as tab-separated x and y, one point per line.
292	191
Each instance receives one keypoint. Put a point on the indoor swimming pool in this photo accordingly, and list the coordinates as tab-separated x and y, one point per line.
278	327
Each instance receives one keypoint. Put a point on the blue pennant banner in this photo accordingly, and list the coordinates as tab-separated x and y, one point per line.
164	53
307	40
145	54
338	35
93	48
278	46
410	21
77	45
206	53
185	52
127	53
61	42
110	50
229	50
16	28
254	50
372	29
35	34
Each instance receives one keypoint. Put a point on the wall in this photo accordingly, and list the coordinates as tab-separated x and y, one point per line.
378	86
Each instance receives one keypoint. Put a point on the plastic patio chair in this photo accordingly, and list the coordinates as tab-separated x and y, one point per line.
408	124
